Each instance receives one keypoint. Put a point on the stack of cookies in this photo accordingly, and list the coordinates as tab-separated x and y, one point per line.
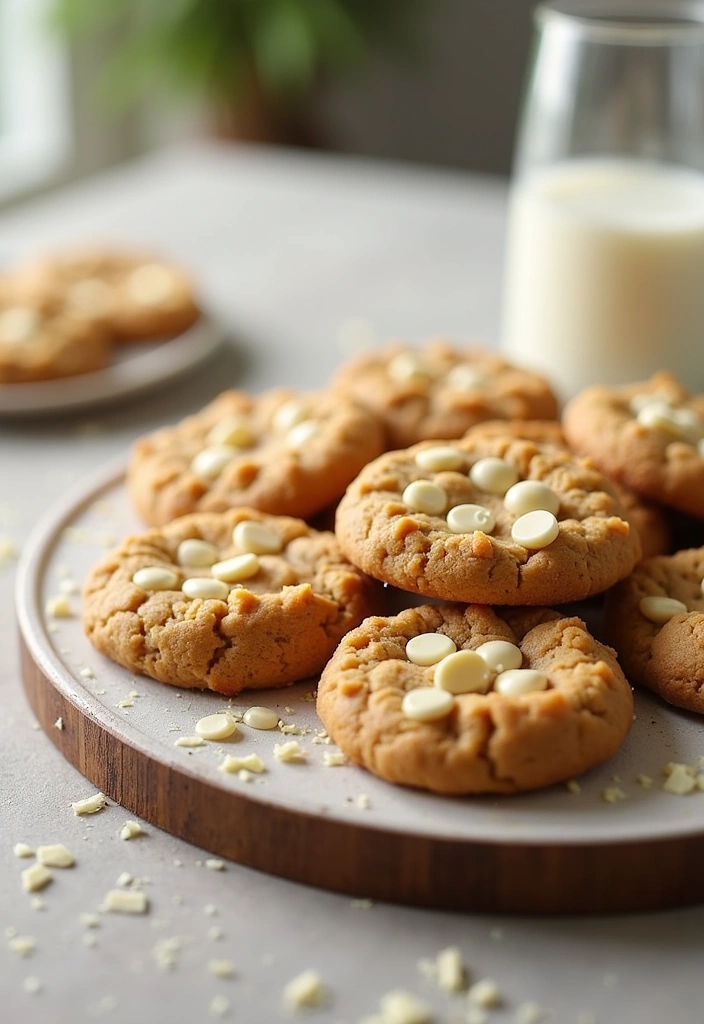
64	314
455	488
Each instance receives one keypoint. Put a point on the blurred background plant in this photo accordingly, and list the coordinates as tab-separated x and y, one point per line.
254	62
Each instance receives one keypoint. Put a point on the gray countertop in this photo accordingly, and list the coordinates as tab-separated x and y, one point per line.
290	250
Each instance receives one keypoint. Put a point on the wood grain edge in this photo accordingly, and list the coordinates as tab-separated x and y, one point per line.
364	861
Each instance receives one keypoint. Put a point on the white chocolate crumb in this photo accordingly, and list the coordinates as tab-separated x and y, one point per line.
451	971
289	753
244	776
250	763
56	856
612	794
334	758
215	933
680	780
573	786
530	1013
124	901
131	829
32	985
35	878
58	607
59	724
485	993
91	804
22	945
189	741
304	990
219	1006
221	968
22	850
87	673
213	864
166	953
644	781
124	879
126	703
89	920
363	802
400	1007
134	694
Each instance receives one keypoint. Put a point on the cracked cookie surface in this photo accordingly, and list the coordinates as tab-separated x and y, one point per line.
280	452
664	656
488	742
280	624
439	390
417	551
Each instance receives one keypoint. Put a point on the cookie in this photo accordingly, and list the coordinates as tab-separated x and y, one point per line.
655	620
225	601
474	700
648	436
42	338
440	391
491	521
649	519
282	453
139	295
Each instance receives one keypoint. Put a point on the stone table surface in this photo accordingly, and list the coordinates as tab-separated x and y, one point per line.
297	254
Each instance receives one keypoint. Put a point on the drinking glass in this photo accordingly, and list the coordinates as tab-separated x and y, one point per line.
604	274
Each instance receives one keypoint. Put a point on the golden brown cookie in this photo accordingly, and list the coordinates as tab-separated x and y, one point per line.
410	699
648	436
283	453
487	520
225	601
139	295
649	519
42	338
655	620
440	391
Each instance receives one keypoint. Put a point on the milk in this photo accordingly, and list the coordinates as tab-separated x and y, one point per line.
605	273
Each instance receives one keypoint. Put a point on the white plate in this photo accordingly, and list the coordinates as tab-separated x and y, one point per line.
137	367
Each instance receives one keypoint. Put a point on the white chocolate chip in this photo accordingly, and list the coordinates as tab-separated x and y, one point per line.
90	805
290	753
130	830
22	850
451	973
468	518
156	577
535	530
257	538
194	551
422	496
500	655
465	377
58	607
150	284
199	586
249	763
237	568
440	458
290	414
681	424
260	718
35	878
299	436
640	401
210	462
493	475
427	704
613	794
18	325
429	648
485	993
124	901
56	856
216	727
215	864
406	366
463	672
304	990
231	430
516	681
661	609
399	1007
529	496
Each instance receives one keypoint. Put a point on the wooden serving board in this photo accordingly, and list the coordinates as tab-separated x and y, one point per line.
339	827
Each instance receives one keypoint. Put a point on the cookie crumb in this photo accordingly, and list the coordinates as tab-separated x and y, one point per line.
485	993
221	968
250	763
35	878
304	990
289	753
121	901
612	794
91	804
131	829
22	850
56	856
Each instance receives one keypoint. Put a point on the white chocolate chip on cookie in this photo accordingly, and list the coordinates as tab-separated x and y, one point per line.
468	518
517	681
493	475
237	568
529	496
156	577
210	462
290	414
465	377
427	704
429	648
661	609
258	538
440	458
231	430
406	366
422	496
463	672
302	433
500	655
199	586
535	530
194	551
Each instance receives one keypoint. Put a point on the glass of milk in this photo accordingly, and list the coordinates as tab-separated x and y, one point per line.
604	276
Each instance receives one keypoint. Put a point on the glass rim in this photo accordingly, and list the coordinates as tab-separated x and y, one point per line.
644	23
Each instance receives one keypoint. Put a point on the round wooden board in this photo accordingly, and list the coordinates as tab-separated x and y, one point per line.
339	827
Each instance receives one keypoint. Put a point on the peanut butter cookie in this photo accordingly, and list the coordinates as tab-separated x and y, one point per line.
487	520
225	601
282	453
655	620
439	391
475	700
